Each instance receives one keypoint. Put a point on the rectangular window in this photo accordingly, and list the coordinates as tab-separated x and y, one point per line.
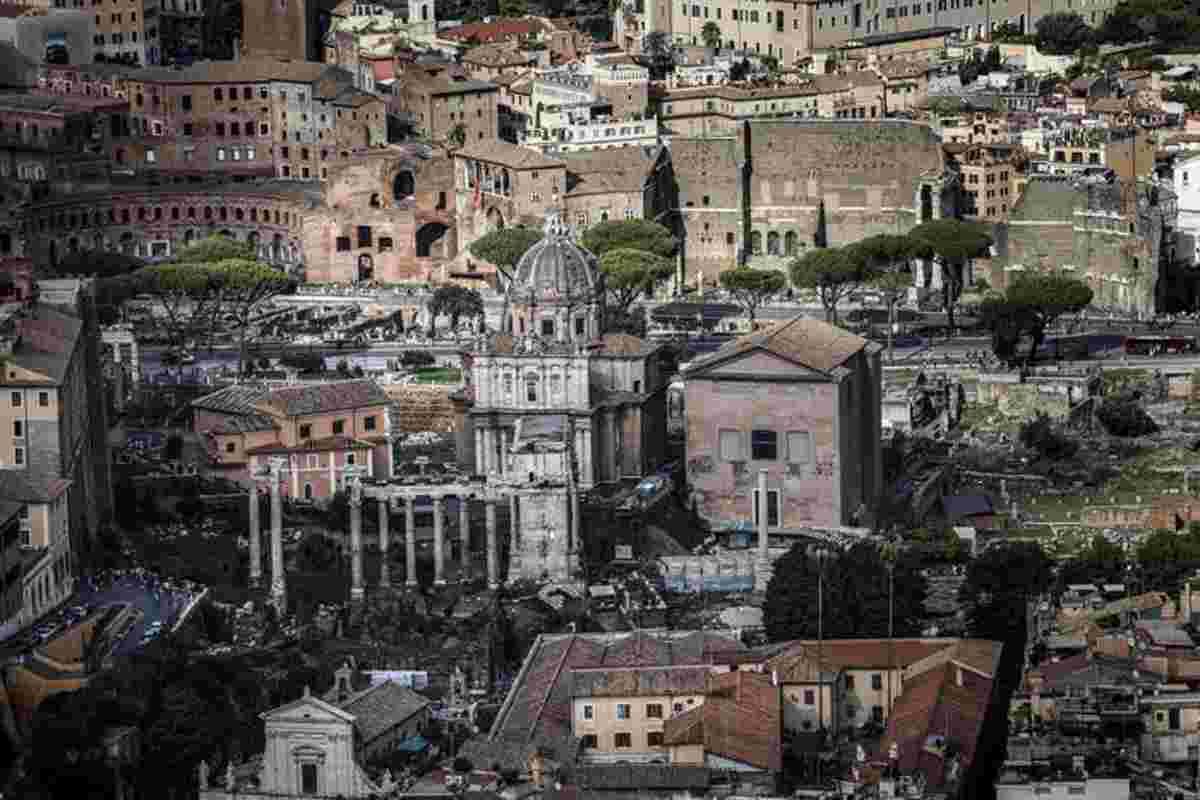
654	739
654	711
1172	713
877	681
810	697
306	431
314	461
589	712
339	426
18	429
16	399
732	446
308	772
772	508
343	244
622	741
364	235
877	714
764	445
369	423
588	741
799	447
849	682
624	711
186	102
19	456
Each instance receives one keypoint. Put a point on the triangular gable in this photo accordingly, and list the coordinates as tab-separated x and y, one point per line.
309	708
762	363
19	374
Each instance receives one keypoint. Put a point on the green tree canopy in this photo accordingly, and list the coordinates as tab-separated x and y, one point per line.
833	272
752	287
1032	303
999	586
212	277
951	242
455	302
855	599
1063	33
710	34
101	264
504	247
658	53
629	273
628	234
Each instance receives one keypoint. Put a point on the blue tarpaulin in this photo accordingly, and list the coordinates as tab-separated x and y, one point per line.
413	744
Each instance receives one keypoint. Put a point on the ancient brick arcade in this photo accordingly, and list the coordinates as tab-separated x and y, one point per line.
763	193
382	216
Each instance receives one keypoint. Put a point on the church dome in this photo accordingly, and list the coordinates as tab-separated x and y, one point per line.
555	266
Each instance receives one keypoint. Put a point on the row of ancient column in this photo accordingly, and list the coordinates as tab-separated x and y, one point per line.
274	475
357	588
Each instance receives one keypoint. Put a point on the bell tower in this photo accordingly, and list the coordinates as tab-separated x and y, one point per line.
422	17
275	29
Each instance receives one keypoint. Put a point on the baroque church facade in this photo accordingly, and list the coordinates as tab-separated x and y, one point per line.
556	407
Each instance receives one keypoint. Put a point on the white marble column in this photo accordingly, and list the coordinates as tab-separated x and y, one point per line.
573	547
493	565
464	535
278	580
255	537
410	543
356	562
385	576
439	544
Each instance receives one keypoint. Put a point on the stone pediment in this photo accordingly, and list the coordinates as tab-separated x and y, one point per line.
307	709
760	363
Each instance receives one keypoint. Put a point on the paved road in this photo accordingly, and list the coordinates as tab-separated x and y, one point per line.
156	603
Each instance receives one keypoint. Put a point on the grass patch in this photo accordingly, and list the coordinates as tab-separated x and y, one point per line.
1117	379
439	375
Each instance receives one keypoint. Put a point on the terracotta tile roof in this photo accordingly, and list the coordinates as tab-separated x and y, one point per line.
311	445
537	712
623	169
496	55
639	681
237	399
47	343
809	342
861	653
933	711
509	155
322	398
484	32
741	719
382	707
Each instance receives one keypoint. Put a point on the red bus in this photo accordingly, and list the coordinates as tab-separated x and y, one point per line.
1159	345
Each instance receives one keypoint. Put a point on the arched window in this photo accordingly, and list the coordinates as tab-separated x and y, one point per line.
755	243
508	386
555	386
773	244
375	200
789	243
531	387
